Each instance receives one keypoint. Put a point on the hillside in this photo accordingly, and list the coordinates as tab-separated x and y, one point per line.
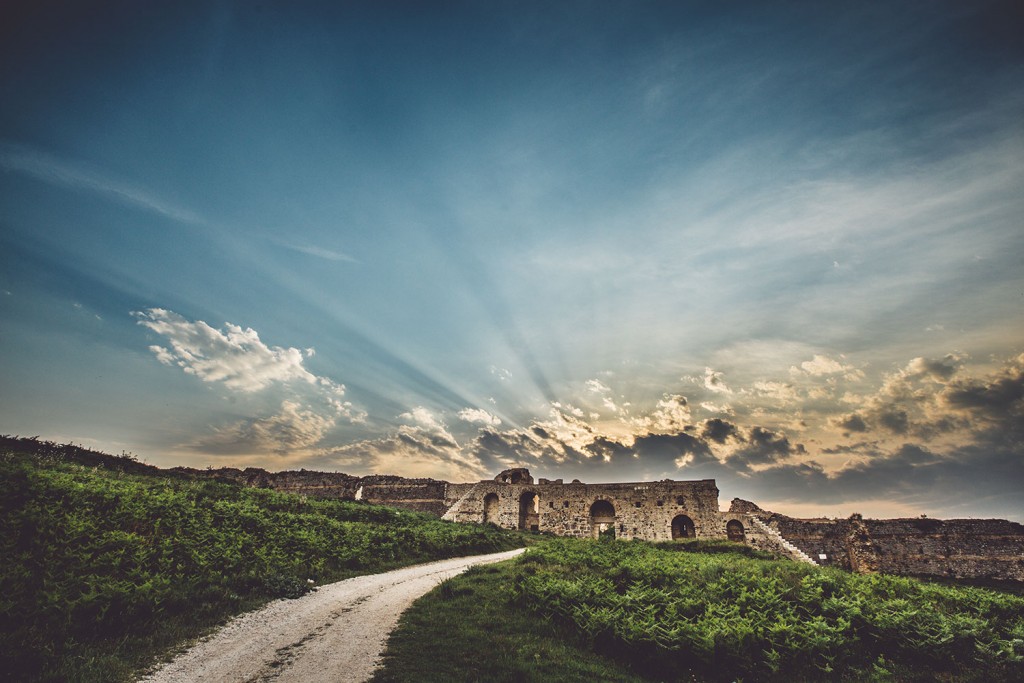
109	562
574	610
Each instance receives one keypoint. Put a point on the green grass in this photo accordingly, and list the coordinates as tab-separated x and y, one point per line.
729	617
467	630
104	569
701	611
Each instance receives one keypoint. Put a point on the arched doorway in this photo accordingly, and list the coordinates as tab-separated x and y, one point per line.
602	519
682	527
734	530
529	511
491	508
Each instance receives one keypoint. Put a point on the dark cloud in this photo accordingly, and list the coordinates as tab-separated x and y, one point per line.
853	423
764	446
293	428
895	420
666	449
998	397
719	430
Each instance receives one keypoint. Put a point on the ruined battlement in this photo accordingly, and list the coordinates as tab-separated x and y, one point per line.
667	509
916	546
647	510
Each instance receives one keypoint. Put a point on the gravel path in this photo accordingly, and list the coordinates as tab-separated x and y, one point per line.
335	633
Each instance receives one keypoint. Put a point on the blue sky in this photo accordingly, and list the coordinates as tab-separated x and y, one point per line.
780	245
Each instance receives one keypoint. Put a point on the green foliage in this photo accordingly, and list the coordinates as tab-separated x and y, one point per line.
727	616
467	630
103	568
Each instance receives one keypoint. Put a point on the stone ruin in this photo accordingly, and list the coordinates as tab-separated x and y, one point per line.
668	510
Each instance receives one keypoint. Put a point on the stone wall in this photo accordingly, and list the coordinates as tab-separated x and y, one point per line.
634	510
663	510
421	495
301	482
956	548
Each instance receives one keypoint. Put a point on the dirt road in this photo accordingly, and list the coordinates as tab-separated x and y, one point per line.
334	634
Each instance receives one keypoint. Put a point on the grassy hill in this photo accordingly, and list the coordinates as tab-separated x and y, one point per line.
574	610
108	562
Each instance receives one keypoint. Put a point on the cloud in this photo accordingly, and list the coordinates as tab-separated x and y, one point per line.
320	252
778	391
997	397
235	357
719	430
713	382
501	373
239	360
293	428
64	173
670	414
479	416
939	370
423	418
412	451
822	366
932	398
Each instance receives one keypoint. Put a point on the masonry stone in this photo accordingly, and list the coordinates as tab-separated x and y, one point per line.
671	510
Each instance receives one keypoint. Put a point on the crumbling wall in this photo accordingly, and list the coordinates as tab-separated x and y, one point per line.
641	510
421	495
956	548
301	482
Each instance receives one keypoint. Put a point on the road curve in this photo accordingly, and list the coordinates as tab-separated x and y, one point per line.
335	633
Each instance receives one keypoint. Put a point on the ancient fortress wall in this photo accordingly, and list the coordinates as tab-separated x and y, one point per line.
666	510
960	548
633	510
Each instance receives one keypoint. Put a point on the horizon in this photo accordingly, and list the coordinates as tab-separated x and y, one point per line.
775	246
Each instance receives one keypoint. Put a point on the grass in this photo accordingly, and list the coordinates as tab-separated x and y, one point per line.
626	611
107	567
468	630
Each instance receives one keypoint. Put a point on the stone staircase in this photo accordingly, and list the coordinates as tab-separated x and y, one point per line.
450	514
788	548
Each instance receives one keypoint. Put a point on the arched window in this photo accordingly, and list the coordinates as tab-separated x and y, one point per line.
602	519
682	527
734	530
491	508
529	511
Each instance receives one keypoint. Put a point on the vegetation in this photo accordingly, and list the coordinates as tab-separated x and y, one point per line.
727	616
105	566
467	630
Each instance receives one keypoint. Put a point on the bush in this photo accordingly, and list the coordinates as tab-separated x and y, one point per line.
726	616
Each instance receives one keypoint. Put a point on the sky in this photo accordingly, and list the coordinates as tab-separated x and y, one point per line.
780	245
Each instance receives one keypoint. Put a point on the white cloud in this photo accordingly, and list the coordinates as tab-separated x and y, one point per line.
713	382
724	408
238	359
670	415
821	365
597	387
479	416
779	391
501	373
423	417
234	356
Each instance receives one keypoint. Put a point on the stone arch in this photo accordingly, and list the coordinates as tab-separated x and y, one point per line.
602	518
529	511
491	508
682	527
734	530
